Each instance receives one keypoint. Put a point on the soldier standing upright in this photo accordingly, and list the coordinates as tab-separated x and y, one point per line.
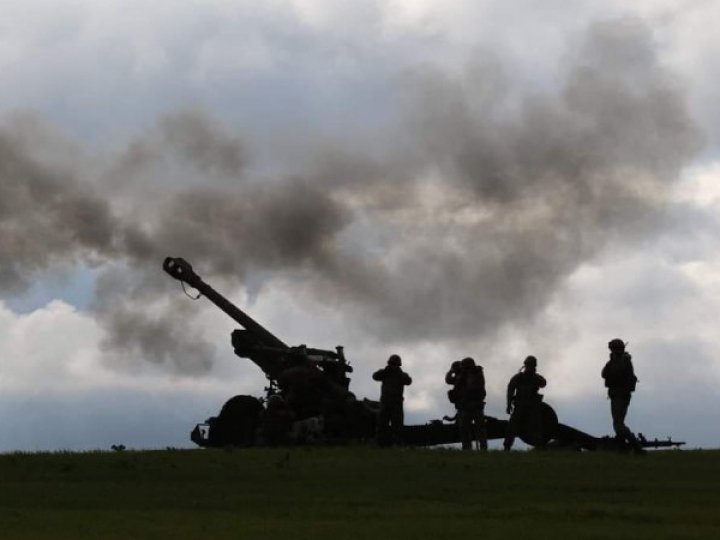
620	381
523	404
469	394
391	415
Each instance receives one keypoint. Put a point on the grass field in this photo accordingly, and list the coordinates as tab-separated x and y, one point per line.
359	493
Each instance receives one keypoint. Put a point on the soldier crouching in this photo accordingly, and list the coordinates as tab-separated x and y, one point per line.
523	404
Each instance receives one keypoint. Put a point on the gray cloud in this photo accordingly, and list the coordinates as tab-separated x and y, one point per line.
551	179
491	198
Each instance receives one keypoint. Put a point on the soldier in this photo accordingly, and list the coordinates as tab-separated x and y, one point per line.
620	381
523	403
391	416
469	395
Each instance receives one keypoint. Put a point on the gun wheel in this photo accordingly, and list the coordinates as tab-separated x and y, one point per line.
542	432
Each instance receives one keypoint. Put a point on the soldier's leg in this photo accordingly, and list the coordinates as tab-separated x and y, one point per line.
465	427
535	426
618	410
512	429
621	429
382	430
397	419
480	427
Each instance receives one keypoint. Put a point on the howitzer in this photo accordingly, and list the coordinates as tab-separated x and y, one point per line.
308	400
307	397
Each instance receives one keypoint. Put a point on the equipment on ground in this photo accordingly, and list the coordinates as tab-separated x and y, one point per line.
308	401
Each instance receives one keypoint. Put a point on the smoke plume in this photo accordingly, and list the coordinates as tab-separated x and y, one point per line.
493	197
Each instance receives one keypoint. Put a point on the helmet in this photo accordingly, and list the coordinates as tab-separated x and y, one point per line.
394	360
467	362
530	361
616	345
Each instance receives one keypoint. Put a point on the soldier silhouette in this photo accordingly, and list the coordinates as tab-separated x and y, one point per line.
468	395
524	404
391	416
620	381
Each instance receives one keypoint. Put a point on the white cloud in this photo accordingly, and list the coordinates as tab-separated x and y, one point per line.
700	186
57	390
46	348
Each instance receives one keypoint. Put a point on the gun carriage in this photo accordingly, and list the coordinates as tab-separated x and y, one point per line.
308	401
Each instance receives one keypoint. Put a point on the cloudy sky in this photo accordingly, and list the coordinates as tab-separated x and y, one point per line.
432	179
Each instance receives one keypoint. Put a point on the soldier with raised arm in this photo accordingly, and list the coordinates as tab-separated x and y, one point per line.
620	380
391	416
523	403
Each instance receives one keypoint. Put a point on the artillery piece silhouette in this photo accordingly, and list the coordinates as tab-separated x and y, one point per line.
307	400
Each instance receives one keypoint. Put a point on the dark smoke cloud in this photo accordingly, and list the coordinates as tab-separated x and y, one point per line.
53	216
45	216
493	197
197	144
139	330
543	182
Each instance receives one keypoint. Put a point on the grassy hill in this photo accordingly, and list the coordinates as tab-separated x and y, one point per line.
359	493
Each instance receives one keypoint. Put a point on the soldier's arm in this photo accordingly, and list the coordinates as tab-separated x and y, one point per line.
451	377
379	375
407	380
541	381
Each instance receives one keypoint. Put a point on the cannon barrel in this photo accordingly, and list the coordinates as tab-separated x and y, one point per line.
181	270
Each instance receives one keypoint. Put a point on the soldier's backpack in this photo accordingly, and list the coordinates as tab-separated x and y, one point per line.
620	375
472	385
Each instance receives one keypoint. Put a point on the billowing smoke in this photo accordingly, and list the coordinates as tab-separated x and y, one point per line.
524	188
491	198
54	216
